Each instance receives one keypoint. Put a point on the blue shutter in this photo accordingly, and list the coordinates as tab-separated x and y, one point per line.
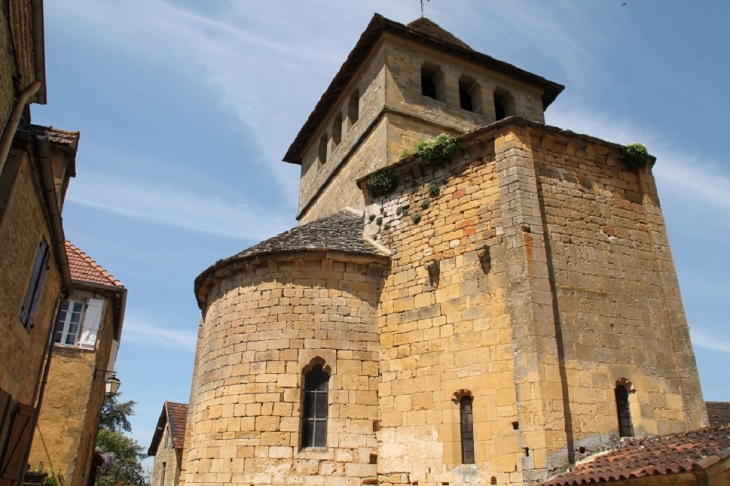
35	286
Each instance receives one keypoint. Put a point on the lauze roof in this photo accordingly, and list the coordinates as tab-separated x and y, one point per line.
637	458
718	413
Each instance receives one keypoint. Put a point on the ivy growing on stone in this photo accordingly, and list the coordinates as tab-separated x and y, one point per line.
436	152
382	182
635	156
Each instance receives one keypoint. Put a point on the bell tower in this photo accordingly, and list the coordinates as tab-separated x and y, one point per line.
402	83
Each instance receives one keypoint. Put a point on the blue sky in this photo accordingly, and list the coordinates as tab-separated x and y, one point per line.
186	109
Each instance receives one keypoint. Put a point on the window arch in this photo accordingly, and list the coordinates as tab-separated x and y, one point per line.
625	426
314	409
467	429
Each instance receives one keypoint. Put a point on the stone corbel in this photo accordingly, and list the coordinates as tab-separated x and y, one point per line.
485	258
433	267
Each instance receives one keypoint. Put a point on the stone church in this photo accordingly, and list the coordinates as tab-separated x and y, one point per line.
488	319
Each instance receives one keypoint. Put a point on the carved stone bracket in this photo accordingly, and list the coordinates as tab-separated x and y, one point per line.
624	382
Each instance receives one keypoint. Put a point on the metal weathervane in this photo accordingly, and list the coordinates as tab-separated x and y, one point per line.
422	7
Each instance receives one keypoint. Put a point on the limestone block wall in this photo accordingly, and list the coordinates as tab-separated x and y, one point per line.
550	279
22	225
264	325
616	290
370	85
404	61
166	471
69	420
445	335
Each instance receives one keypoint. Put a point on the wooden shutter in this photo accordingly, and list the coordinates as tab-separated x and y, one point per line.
91	323
5	403
20	435
35	286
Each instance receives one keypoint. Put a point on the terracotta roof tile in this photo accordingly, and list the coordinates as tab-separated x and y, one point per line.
83	268
57	136
718	413
177	416
635	458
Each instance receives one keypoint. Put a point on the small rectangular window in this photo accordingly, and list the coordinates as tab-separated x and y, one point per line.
467	430
428	84
69	322
315	407
464	97
35	286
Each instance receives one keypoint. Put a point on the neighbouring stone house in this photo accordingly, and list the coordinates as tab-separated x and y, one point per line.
168	444
87	337
493	318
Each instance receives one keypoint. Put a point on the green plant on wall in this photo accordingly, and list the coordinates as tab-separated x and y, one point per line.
437	151
635	156
382	182
416	218
434	190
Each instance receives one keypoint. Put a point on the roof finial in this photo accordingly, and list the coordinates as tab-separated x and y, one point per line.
422	7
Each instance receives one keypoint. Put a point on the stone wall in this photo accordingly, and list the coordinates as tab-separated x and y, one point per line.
168	460
66	434
265	323
22	225
538	243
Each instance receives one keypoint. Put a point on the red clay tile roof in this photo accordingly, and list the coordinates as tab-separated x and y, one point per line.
718	413
85	269
57	136
636	458
177	415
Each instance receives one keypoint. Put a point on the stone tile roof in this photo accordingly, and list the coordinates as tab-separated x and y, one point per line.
342	231
425	26
176	414
718	413
84	269
637	458
424	32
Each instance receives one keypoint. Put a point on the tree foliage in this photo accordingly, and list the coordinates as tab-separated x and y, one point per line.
122	455
115	415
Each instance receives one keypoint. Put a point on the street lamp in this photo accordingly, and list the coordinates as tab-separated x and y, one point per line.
112	383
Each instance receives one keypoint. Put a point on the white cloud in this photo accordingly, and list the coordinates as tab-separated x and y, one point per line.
175	206
699	186
702	340
142	333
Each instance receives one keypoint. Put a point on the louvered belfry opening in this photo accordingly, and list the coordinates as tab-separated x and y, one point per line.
467	430
625	427
314	416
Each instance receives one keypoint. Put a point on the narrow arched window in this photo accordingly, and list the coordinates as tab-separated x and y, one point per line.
322	152
467	430
625	427
314	411
353	108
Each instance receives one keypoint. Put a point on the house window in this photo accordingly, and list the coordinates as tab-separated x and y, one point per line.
322	154
314	416
625	427
35	286
353	108
467	430
504	104
69	322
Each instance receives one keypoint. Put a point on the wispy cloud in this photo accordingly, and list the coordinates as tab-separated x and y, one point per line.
175	206
701	187
702	340
142	333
